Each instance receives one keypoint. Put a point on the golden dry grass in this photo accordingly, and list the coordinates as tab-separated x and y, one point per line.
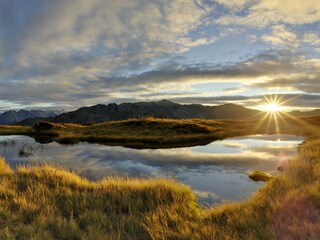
165	133
15	130
46	202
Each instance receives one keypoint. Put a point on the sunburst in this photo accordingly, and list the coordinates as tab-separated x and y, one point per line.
273	105
275	110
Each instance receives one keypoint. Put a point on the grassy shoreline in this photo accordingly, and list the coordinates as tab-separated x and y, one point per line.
45	202
162	133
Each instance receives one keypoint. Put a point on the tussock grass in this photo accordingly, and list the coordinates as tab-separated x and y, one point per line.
287	207
15	130
4	167
138	133
163	133
47	202
168	133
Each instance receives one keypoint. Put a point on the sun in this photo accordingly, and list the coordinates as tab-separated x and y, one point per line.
272	107
274	112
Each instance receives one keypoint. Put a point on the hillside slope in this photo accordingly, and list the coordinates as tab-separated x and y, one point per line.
162	109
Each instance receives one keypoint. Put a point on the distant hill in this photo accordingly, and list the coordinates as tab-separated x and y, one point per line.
161	109
298	113
12	117
33	121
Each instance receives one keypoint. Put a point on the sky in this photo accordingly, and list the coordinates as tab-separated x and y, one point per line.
64	54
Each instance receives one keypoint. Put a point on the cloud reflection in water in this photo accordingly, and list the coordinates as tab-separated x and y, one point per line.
216	172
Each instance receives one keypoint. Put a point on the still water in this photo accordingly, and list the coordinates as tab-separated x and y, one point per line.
216	172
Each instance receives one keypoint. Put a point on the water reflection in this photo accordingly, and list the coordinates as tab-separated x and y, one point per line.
216	172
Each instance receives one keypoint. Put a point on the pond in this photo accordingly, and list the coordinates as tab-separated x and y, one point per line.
216	172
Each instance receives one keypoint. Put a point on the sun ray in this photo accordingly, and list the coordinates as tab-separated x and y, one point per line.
273	104
260	122
275	118
297	120
274	108
269	121
283	120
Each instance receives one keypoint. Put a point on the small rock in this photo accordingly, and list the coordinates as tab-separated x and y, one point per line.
280	168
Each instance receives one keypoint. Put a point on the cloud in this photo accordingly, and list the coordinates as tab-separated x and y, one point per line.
263	13
290	11
234	90
269	69
101	158
302	82
189	43
311	38
295	100
50	49
233	5
68	53
96	36
251	39
224	32
281	69
280	35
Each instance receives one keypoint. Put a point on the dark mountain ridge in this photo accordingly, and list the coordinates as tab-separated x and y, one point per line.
298	113
161	109
12	117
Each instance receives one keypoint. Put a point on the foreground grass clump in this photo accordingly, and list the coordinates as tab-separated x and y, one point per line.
287	207
51	203
45	202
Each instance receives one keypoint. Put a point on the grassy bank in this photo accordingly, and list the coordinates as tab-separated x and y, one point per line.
15	130
164	133
52	203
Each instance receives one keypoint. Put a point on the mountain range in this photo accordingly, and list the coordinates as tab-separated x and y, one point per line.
12	117
161	109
